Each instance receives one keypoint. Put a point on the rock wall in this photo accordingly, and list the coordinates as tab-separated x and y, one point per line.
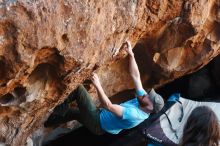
49	47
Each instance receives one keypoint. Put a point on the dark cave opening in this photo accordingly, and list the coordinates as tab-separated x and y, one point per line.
15	97
6	98
2	66
20	91
44	77
201	85
43	71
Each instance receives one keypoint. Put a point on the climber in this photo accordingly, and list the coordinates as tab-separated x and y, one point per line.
112	118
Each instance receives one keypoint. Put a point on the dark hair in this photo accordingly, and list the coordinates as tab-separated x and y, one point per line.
201	128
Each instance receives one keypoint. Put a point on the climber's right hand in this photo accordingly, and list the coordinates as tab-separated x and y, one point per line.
95	80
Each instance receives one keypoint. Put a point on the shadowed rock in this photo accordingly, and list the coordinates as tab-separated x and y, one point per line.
49	47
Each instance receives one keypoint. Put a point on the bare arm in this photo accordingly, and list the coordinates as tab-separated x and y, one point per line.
107	104
133	68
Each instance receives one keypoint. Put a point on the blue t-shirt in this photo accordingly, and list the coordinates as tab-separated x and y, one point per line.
131	116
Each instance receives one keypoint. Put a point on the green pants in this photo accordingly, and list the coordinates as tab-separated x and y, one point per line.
87	113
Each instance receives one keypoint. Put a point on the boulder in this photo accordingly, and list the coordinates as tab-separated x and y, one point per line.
48	48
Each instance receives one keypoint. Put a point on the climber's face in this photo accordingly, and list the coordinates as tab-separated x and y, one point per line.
146	103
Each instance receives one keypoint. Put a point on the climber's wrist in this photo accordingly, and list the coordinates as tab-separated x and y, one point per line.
131	54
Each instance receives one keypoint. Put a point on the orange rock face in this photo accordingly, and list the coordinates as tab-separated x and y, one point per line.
47	48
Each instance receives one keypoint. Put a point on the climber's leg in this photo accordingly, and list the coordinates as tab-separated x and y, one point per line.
57	118
63	112
89	114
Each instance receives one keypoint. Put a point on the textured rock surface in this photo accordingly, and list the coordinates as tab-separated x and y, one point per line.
49	47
